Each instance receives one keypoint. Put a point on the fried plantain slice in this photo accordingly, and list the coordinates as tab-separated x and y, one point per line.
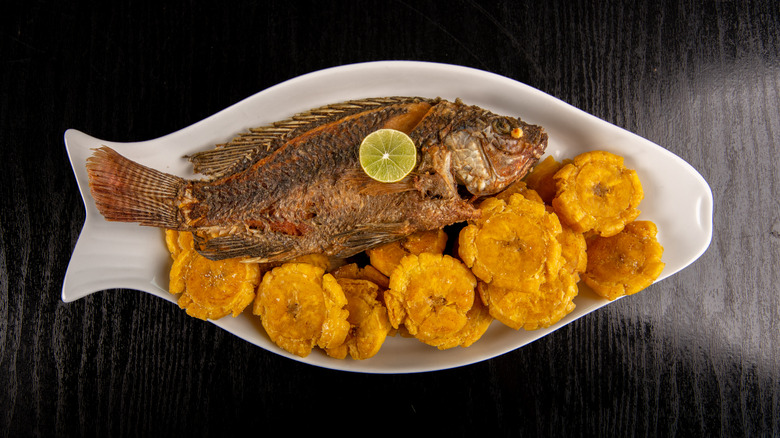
430	295
212	289
178	241
368	272
478	320
368	320
319	260
531	308
338	352
540	179
385	258
512	243
300	307
522	188
432	241
625	263
597	192
573	251
172	242
186	240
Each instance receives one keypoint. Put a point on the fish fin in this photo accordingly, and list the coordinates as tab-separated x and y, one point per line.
220	161
318	116
366	236
125	191
260	142
264	248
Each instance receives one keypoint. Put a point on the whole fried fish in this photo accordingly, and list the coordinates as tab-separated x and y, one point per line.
296	187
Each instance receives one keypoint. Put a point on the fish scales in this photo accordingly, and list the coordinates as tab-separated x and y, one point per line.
296	187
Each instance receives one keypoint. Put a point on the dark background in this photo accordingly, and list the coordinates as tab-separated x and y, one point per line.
694	355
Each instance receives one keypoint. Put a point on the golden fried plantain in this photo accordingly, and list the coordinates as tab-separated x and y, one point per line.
367	272
300	307
516	249
351	270
478	320
432	241
368	320
212	289
385	258
319	260
597	192
178	241
540	179
625	263
172	242
512	243
430	295
574	251
522	188
531	308
186	240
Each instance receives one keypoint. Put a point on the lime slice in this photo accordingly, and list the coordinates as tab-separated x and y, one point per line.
387	155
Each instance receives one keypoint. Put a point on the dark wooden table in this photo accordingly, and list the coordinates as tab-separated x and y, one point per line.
694	355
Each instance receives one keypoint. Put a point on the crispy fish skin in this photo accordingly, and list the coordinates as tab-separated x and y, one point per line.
296	187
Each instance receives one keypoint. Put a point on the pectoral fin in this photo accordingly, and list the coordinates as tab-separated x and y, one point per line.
366	236
265	247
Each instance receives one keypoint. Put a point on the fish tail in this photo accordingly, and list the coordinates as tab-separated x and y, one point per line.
125	191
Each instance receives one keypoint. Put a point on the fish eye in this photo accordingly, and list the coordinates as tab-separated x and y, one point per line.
502	125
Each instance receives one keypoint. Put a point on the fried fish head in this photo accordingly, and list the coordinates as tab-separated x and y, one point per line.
625	263
430	295
597	192
300	307
488	151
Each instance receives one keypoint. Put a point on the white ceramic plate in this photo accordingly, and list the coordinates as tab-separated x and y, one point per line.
112	255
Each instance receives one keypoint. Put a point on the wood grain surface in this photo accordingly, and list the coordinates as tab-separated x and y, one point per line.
694	355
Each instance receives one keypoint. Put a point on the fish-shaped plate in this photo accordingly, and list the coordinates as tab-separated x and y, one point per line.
111	255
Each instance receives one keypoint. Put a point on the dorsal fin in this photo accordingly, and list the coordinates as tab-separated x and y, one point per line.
259	142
